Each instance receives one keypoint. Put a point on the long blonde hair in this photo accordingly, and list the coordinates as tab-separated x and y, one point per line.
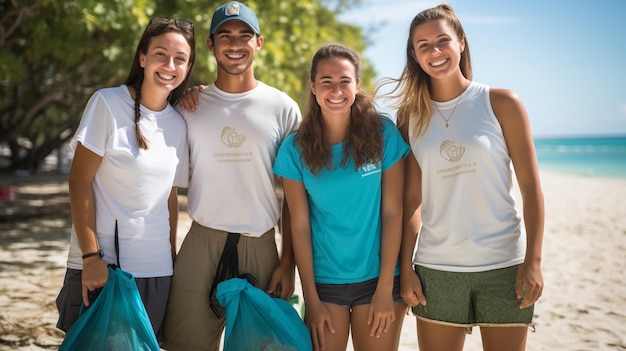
412	89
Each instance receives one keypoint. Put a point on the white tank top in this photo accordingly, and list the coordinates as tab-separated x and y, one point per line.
469	219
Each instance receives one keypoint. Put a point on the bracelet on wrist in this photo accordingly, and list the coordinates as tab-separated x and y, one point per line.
95	253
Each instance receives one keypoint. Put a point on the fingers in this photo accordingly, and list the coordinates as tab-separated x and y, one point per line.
273	289
317	337
85	296
317	334
411	290
329	324
421	298
379	322
283	293
528	288
185	102
277	290
94	275
519	282
532	293
281	285
189	100
414	298
376	327
194	95
410	299
381	325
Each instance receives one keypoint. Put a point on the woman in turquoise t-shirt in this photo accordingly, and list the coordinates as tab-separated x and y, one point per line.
343	176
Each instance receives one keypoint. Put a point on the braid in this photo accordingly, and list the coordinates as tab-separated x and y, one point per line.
142	142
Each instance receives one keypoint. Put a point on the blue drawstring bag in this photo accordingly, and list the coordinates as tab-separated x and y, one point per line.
116	320
256	321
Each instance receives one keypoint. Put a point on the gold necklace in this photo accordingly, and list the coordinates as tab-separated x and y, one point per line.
452	114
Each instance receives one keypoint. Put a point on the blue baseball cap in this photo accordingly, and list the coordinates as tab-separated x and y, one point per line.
234	10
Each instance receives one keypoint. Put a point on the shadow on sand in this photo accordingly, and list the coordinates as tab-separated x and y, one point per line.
34	237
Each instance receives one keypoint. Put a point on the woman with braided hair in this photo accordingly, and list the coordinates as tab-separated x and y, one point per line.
131	155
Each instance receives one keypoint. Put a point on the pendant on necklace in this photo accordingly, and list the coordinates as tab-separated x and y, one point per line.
451	114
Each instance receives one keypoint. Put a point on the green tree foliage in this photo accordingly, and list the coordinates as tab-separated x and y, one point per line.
54	54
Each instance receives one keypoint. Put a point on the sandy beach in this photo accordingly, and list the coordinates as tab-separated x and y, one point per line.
583	306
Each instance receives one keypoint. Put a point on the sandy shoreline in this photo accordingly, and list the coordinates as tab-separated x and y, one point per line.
583	306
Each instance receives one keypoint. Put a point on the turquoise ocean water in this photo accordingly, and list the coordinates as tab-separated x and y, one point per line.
595	157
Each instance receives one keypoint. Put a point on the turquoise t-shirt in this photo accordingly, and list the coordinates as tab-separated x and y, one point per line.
344	206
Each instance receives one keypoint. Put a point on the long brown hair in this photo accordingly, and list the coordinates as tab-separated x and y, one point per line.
156	27
412	89
363	142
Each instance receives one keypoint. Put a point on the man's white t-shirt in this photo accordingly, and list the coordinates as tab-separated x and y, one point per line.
233	141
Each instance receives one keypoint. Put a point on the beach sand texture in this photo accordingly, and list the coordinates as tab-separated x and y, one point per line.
583	306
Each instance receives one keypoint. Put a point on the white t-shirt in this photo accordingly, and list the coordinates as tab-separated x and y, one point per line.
131	185
233	141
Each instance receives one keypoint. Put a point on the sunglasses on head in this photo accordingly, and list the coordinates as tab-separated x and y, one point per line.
180	23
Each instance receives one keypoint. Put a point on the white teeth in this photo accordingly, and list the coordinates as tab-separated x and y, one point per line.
235	56
439	63
165	76
335	101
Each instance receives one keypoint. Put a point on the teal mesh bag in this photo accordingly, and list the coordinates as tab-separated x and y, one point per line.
256	321
116	320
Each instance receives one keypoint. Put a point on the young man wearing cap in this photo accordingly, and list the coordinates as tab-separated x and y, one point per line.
234	135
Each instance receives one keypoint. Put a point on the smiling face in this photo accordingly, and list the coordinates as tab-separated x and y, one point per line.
437	49
234	45
335	86
166	61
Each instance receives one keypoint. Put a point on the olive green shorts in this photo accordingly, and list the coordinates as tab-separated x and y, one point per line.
468	299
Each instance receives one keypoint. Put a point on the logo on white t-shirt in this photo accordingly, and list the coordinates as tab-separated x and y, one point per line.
231	138
451	152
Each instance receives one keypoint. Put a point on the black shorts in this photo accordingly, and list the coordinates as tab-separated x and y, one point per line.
350	295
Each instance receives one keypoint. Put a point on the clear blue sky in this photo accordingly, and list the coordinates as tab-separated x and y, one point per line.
566	59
